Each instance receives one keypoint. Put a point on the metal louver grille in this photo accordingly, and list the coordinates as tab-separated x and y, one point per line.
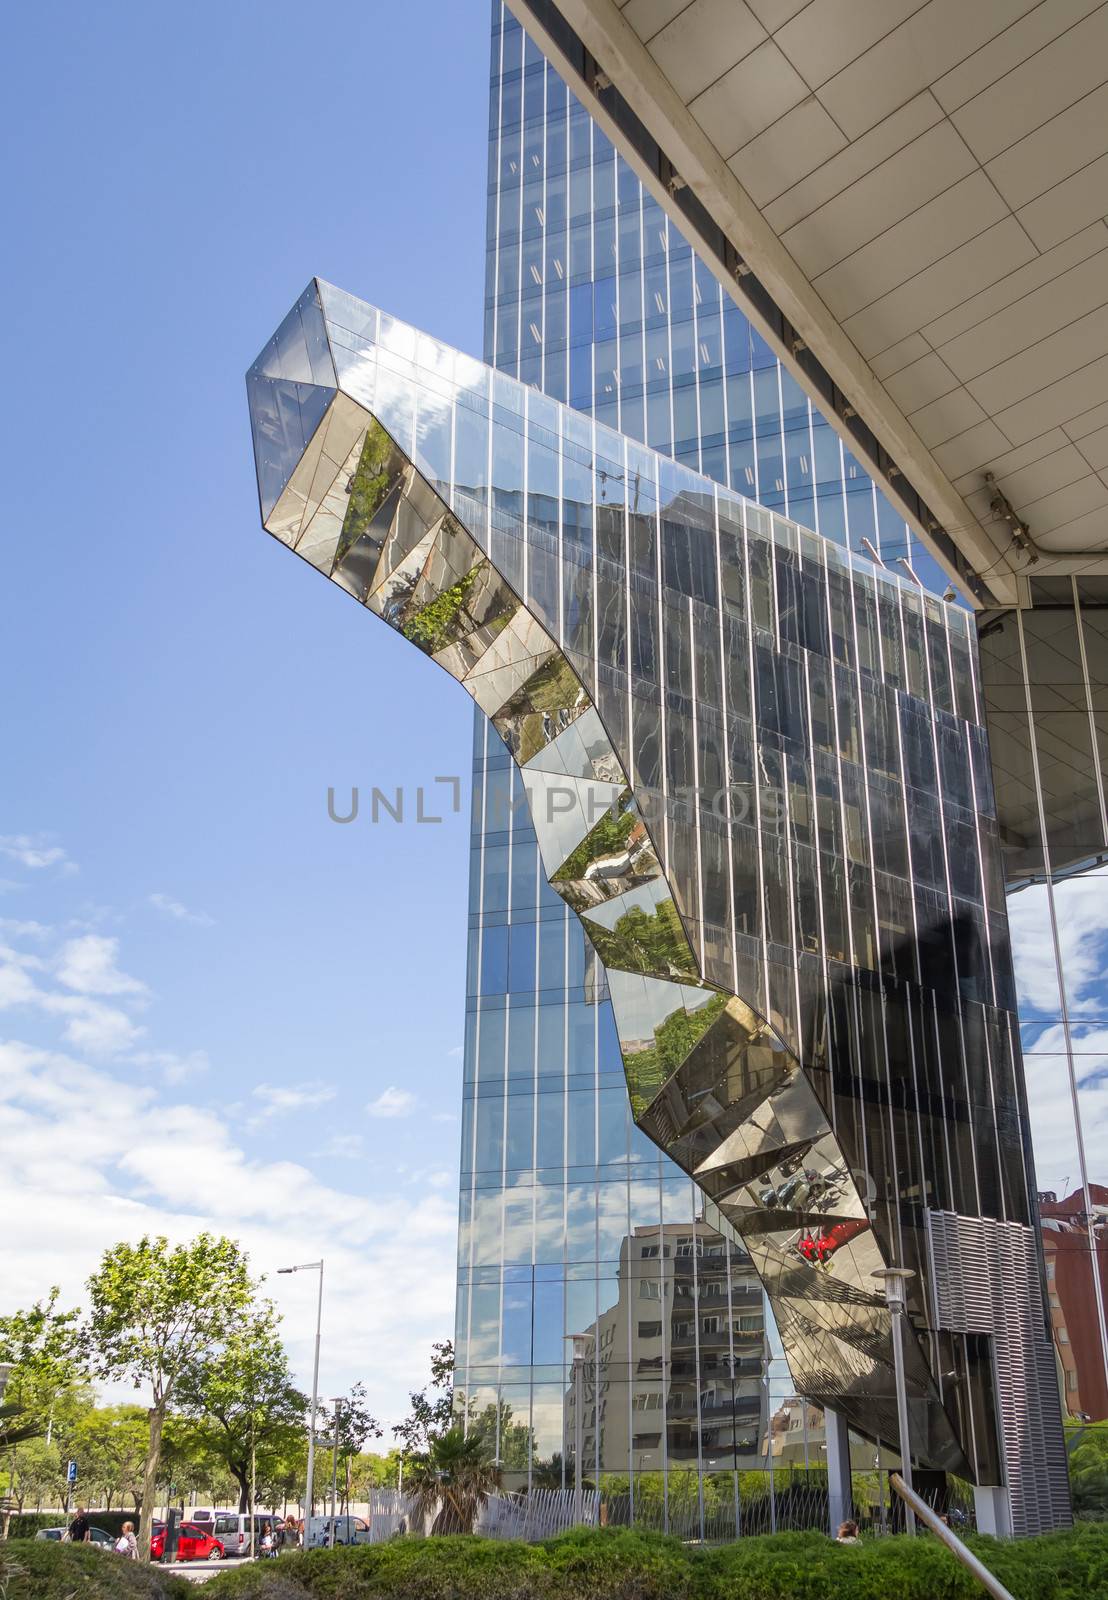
986	1280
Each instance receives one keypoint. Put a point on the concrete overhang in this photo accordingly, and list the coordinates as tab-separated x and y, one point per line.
909	202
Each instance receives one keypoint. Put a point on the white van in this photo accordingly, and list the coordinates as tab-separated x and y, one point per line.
348	1530
232	1529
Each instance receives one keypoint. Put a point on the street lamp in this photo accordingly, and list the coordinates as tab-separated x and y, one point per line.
581	1343
895	1280
312	1266
336	1401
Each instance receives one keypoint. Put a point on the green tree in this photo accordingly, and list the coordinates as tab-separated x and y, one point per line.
355	1425
246	1391
370	1471
1087	1448
507	1442
432	1408
41	1474
157	1314
110	1445
43	1347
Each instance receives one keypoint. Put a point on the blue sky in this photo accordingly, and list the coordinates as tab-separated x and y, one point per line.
206	983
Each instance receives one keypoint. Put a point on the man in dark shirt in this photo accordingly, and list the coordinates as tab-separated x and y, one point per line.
80	1529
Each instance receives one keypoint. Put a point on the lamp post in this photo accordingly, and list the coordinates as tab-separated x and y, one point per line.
336	1401
581	1343
312	1266
895	1280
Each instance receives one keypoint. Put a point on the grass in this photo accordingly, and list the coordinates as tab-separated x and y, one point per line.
40	1570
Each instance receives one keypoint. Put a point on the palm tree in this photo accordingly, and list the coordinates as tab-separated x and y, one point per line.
453	1480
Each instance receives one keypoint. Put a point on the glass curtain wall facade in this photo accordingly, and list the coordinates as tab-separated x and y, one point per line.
1045	679
594	297
1046	717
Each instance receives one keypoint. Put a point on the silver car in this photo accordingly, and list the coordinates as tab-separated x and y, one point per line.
97	1536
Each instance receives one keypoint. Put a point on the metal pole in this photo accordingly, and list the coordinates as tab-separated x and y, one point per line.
315	1399
896	1295
334	1468
939	1528
312	1266
902	1417
578	1435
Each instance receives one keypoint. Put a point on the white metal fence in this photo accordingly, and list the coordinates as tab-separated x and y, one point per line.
798	1507
538	1515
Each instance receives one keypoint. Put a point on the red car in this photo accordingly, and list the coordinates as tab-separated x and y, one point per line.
194	1543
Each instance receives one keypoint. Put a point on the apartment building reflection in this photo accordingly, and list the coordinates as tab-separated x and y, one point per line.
1075	1245
685	1377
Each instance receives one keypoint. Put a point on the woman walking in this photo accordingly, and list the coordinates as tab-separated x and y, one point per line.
127	1545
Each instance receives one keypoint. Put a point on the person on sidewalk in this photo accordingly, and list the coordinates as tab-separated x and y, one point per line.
127	1545
80	1529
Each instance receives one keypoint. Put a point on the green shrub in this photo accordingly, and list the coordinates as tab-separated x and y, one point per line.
25	1524
42	1570
1054	1566
625	1564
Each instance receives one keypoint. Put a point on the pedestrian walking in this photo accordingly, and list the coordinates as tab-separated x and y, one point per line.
848	1533
80	1529
127	1545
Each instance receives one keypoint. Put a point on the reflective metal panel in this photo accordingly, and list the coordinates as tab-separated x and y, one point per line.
821	1103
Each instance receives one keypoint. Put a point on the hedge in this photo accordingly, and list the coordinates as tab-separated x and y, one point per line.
43	1570
623	1564
25	1524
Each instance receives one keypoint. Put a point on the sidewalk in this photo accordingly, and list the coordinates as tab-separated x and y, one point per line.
201	1571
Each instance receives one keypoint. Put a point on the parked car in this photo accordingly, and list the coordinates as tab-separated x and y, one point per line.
97	1536
348	1530
194	1543
233	1528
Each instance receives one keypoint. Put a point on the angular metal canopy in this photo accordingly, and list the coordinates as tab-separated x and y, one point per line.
757	772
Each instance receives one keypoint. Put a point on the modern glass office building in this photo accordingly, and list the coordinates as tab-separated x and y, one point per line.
594	296
859	1098
1043	660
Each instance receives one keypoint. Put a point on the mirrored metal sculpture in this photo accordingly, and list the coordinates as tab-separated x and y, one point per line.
757	772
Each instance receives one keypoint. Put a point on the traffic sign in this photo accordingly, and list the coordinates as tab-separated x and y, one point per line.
71	1472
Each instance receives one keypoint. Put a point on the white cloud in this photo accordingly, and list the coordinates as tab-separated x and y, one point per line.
278	1098
342	1147
91	1158
89	1023
392	1102
174	1068
178	912
35	852
15	929
88	964
1050	1103
455	1054
1081	910
102	1030
99	1146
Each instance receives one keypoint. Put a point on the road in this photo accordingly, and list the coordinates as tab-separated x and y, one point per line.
201	1571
